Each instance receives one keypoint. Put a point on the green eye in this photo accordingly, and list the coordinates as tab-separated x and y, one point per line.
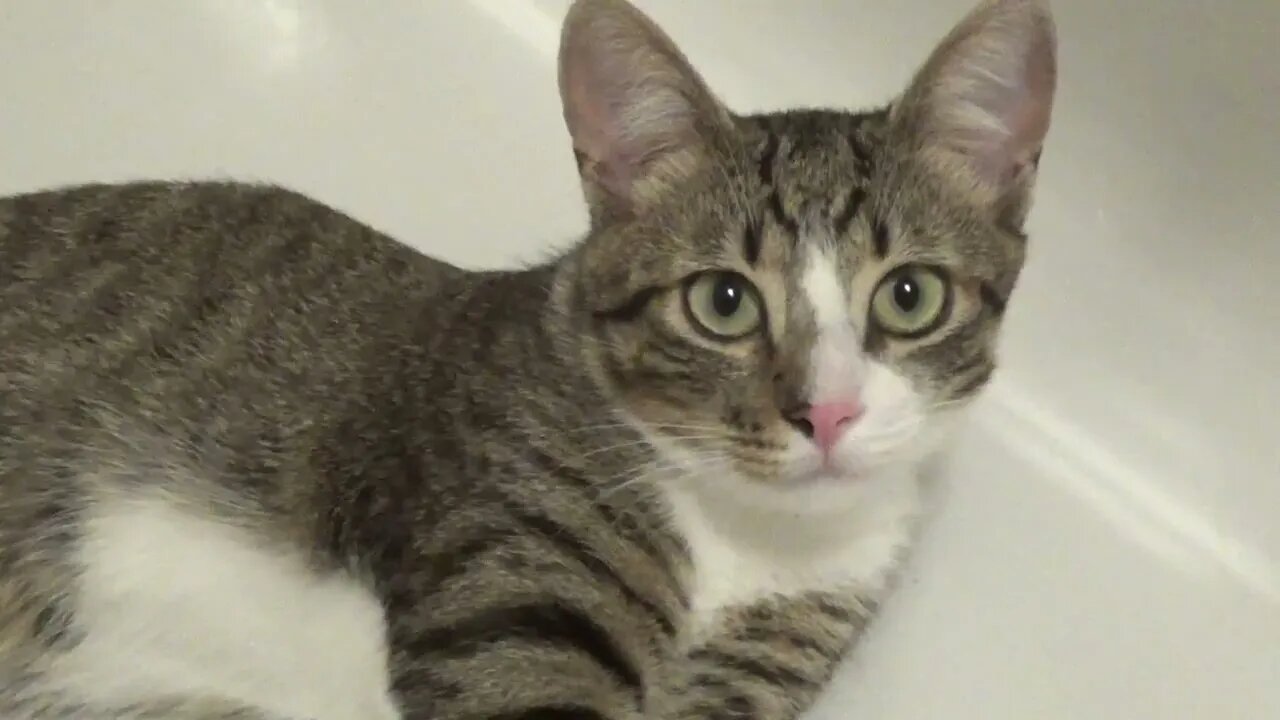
911	301
723	304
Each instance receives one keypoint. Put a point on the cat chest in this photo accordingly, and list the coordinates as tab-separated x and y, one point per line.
745	556
728	576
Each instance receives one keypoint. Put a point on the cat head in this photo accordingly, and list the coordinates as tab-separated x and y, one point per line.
800	299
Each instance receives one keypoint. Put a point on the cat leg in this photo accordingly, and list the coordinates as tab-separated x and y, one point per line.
767	661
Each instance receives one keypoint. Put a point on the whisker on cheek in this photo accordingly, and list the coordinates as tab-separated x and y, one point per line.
635	426
896	429
754	443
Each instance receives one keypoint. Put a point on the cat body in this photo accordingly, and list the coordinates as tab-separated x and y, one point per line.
258	460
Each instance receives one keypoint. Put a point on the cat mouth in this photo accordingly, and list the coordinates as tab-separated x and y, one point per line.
827	473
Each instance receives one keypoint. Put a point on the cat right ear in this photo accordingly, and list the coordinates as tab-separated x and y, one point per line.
978	111
639	115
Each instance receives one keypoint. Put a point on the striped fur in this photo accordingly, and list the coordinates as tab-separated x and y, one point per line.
260	462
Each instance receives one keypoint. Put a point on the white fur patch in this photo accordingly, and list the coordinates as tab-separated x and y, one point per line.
746	548
175	603
837	366
826	292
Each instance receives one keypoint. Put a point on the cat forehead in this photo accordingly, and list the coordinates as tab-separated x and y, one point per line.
805	181
814	171
832	182
805	155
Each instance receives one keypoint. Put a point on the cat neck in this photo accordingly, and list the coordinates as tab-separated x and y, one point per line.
750	543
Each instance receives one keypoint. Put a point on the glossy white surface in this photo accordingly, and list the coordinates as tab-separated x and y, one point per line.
1108	546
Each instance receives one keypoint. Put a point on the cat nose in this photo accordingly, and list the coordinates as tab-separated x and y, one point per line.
825	422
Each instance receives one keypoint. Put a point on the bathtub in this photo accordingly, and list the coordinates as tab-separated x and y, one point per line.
1107	541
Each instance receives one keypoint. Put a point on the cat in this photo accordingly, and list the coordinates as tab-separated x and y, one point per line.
258	460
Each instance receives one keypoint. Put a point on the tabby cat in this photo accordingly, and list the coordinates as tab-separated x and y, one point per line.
258	460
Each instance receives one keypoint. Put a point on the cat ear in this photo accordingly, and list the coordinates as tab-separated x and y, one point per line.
979	108
639	115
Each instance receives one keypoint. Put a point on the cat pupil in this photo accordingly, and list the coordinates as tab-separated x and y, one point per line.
727	297
906	294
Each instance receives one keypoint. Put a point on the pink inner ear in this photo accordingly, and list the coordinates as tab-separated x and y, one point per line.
595	92
987	93
1000	155
1021	113
586	108
1028	121
629	95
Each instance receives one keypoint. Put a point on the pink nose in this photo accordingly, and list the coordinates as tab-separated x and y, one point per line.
825	422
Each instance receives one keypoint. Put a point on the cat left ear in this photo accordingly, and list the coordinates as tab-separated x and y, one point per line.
979	109
640	116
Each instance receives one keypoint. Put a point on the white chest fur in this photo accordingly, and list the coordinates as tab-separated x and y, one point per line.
175	603
745	550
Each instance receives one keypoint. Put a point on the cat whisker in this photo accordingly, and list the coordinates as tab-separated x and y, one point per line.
641	442
632	426
650	470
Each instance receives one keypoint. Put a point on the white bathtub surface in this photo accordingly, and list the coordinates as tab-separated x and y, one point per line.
1109	544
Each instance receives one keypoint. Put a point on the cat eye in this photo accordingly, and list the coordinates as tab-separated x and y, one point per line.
725	305
911	301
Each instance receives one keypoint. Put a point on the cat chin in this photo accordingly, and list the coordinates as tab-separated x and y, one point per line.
826	492
822	475
801	491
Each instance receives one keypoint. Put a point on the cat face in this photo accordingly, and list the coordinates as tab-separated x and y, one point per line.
804	298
